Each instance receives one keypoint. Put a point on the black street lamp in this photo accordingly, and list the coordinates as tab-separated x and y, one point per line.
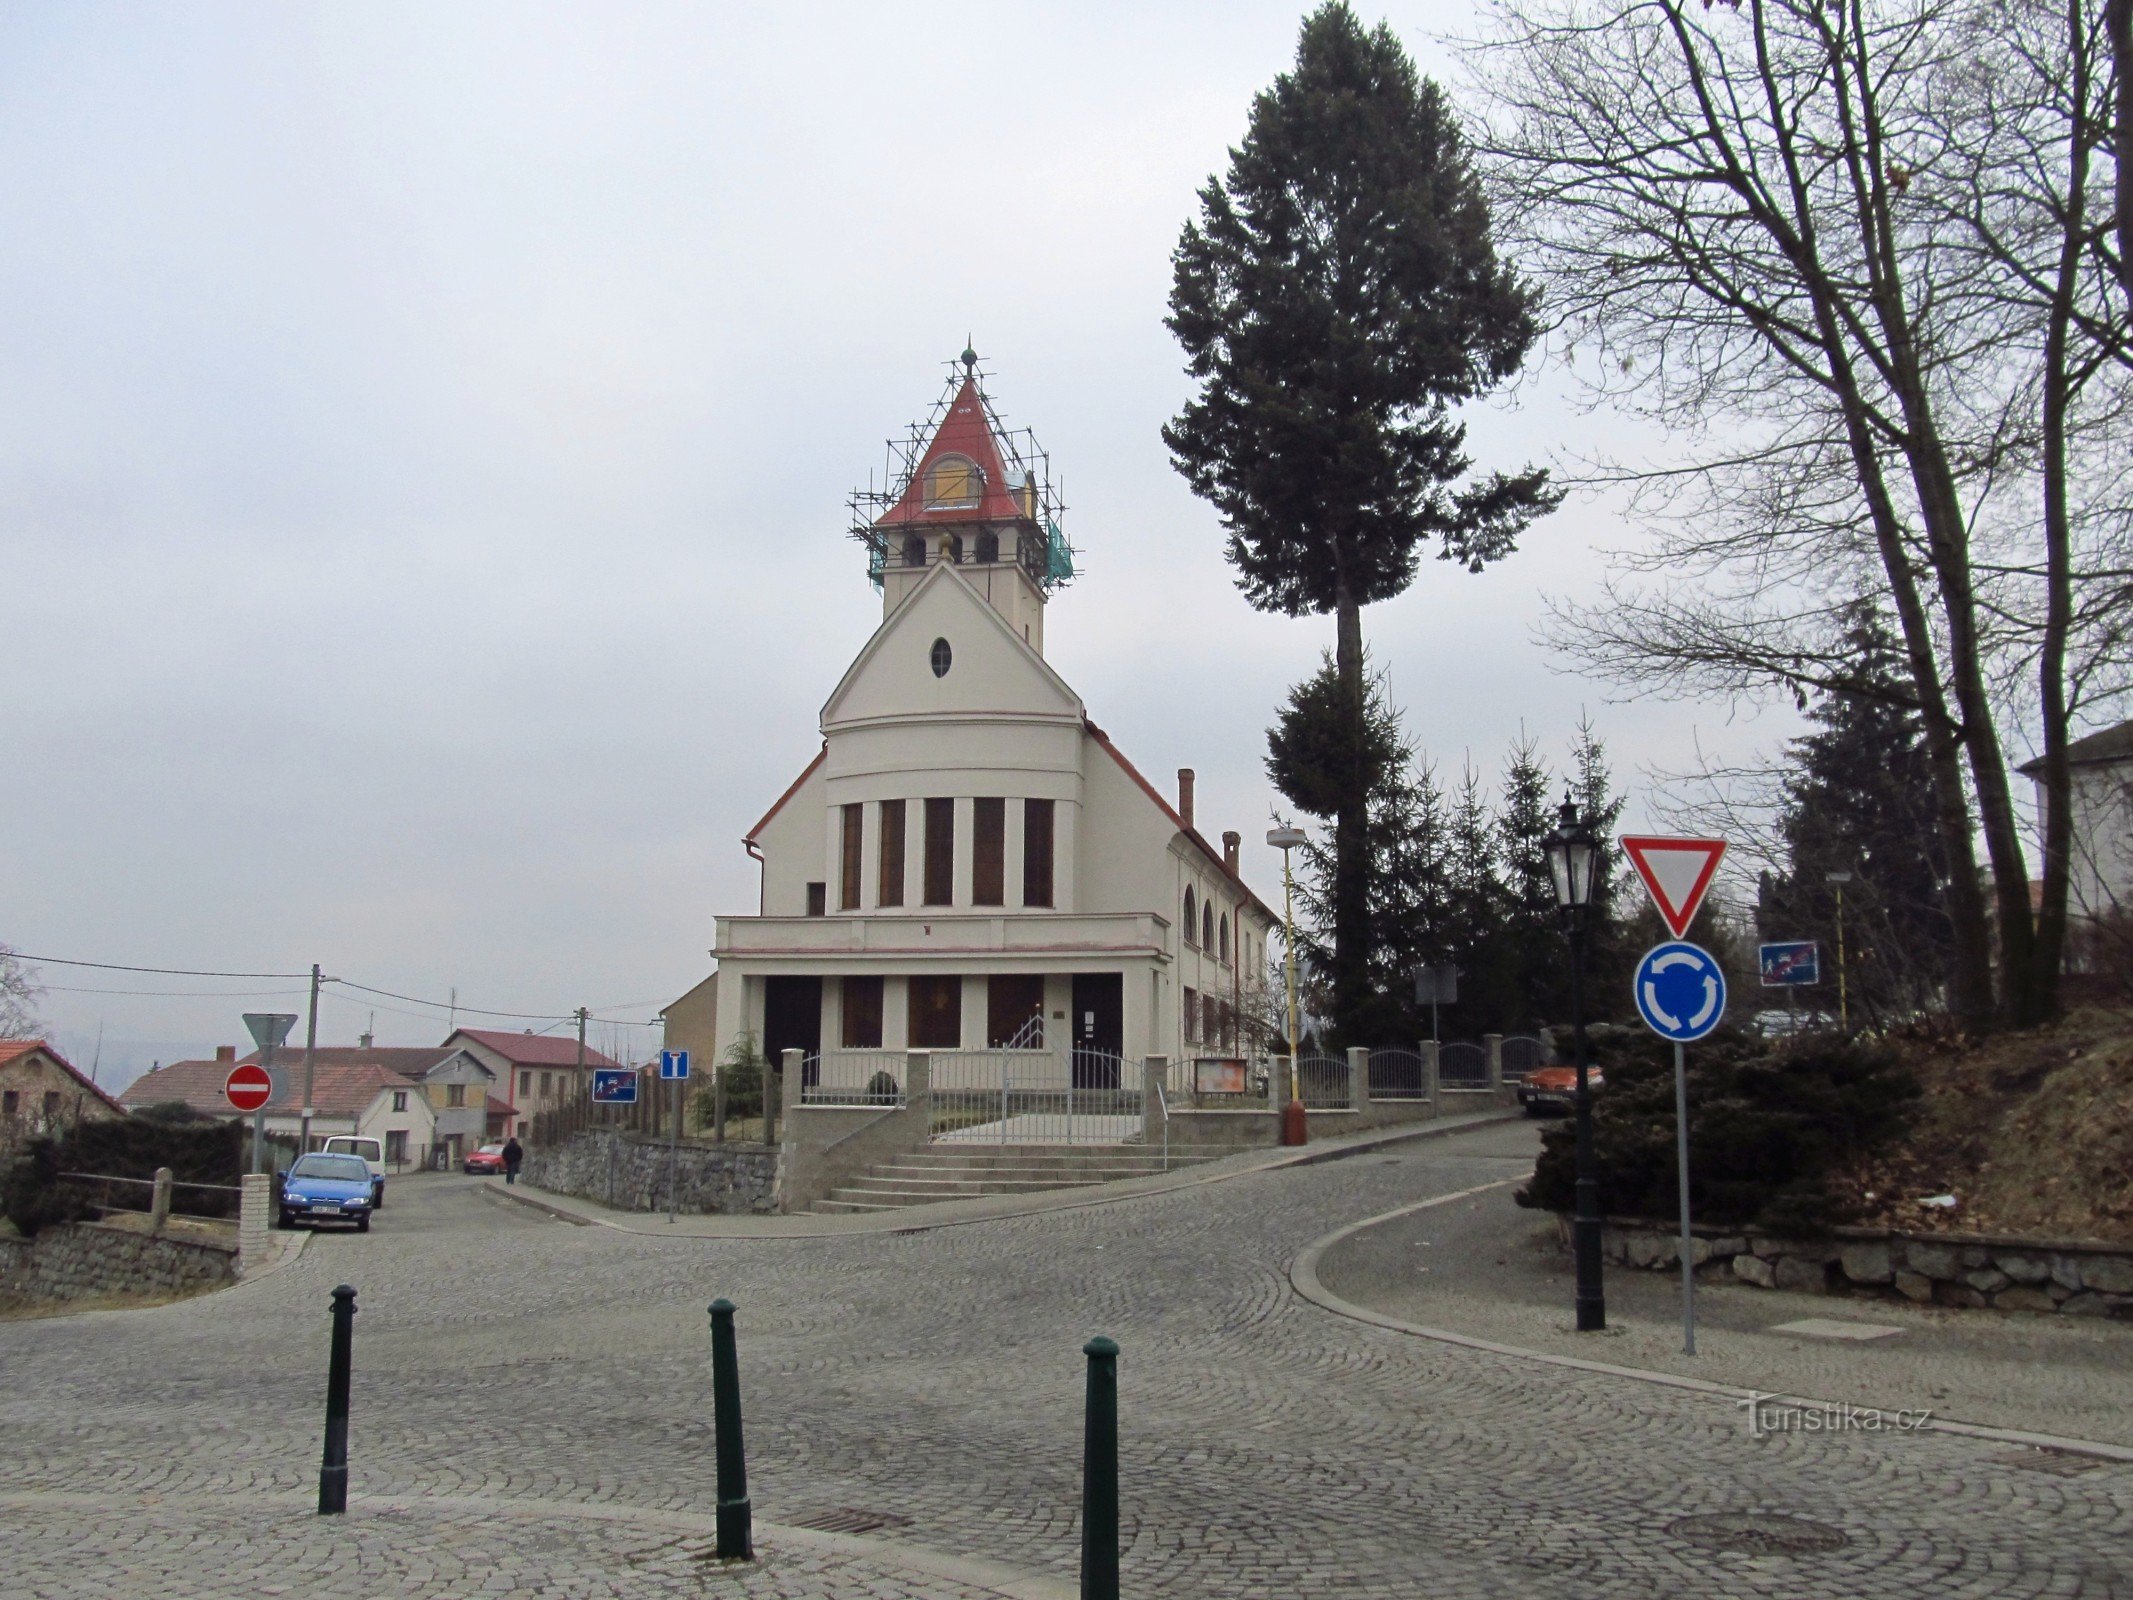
1572	854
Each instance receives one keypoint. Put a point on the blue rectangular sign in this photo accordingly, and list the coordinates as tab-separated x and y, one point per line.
673	1063
614	1086
1795	964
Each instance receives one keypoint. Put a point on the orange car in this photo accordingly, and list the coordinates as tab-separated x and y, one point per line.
1555	1088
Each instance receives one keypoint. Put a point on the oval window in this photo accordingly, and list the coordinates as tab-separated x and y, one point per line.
943	658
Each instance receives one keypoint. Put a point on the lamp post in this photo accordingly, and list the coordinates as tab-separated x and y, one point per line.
1837	881
1572	855
1292	1114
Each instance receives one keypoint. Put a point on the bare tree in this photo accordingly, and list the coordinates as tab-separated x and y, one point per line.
19	994
1831	245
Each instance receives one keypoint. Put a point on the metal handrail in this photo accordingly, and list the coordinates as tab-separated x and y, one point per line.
1162	1102
175	1183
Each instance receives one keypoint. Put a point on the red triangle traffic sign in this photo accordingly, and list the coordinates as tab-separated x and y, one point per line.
1676	872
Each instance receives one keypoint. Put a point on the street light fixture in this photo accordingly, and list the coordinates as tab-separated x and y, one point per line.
1573	853
1838	880
1286	839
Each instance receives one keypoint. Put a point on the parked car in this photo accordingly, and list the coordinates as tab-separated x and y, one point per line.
371	1152
489	1158
1555	1088
326	1188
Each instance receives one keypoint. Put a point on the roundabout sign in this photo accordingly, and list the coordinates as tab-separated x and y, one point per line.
1680	991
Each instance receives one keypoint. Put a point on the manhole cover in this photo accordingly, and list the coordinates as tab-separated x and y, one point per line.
850	1519
1767	1533
2042	1458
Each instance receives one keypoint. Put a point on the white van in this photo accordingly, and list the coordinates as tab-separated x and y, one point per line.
372	1153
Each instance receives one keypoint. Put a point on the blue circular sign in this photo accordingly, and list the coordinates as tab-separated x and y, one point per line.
1680	991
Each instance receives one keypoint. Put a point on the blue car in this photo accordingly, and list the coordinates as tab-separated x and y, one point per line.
327	1188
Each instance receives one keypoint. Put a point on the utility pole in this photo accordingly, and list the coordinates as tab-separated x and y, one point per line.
303	1137
578	1083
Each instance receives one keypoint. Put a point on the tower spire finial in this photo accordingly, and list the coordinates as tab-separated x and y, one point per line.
969	356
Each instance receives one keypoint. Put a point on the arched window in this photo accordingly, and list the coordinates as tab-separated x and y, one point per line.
1192	915
914	550
1207	927
988	549
954	483
1222	934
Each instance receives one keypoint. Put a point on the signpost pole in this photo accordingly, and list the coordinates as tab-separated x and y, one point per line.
674	1148
1688	1254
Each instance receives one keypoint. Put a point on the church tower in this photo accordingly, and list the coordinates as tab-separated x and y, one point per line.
962	488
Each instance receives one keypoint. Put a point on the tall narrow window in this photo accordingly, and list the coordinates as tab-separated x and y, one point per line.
1207	927
848	875
988	851
892	853
1222	933
1036	852
940	852
1191	1016
862	1013
818	899
1192	916
936	1013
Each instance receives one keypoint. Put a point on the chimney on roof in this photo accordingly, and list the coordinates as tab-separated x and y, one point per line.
225	1052
1232	842
1185	794
363	1040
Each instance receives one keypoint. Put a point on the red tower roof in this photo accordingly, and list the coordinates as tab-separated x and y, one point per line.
966	431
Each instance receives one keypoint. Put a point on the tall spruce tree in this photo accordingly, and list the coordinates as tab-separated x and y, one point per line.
1531	933
1861	801
1340	293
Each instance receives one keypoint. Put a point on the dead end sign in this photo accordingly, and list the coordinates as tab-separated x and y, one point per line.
1677	874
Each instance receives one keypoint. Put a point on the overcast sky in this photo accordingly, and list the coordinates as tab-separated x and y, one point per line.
424	439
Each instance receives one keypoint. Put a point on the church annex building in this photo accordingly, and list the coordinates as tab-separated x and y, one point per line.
970	863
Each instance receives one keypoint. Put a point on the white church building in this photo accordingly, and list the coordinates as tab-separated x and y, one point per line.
970	863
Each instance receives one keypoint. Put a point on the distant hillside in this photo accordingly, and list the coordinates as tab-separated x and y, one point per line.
2031	1133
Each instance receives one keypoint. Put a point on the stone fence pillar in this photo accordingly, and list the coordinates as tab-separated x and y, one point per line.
1155	1080
1432	1080
255	1219
159	1203
1359	1077
1492	1043
918	1082
784	1077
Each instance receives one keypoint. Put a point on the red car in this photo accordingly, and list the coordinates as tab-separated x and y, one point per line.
1555	1088
489	1158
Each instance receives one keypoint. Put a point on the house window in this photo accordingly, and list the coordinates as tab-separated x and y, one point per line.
1207	928
1014	1010
936	1013
10	1103
525	1084
396	1146
818	899
940	852
942	658
455	1094
1036	852
1191	1011
988	548
914	550
862	1013
51	1104
988	851
399	1099
1210	1018
547	1087
848	884
1192	914
1222	933
892	853
953	483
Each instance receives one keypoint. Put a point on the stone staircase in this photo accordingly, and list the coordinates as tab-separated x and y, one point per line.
957	1172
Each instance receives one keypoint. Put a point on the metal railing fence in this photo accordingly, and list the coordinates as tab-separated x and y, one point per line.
1398	1075
853	1078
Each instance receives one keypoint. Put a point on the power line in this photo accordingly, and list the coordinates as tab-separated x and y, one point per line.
169	972
483	1011
177	994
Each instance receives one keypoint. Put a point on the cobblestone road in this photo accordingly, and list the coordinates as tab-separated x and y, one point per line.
512	1371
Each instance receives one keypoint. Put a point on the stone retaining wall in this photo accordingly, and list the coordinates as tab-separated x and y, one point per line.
86	1260
628	1171
2071	1277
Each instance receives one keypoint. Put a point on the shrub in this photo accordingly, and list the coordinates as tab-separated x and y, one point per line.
33	1195
1766	1126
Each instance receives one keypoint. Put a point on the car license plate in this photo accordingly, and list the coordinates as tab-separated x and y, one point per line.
334	1209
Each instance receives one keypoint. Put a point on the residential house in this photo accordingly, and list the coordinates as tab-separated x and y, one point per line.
41	1092
534	1072
354	1090
2100	871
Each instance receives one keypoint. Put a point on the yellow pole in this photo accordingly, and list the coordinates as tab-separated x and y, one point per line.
1844	1014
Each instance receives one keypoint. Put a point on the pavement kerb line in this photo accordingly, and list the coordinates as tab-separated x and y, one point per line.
1011	1583
1120	1191
1304	1279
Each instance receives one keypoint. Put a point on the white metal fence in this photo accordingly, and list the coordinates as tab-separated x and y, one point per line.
1035	1095
853	1078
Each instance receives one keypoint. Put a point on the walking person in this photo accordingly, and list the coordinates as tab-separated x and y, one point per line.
514	1153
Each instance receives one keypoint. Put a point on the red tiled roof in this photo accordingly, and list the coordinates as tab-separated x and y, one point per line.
534	1049
501	1108
408	1062
15	1049
338	1089
965	431
1178	821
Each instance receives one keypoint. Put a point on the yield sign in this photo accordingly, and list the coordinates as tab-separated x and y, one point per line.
1676	874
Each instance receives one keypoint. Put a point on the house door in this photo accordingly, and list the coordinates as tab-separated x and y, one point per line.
1098	1025
792	1018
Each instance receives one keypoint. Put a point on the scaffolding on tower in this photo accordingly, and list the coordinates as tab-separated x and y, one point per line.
899	525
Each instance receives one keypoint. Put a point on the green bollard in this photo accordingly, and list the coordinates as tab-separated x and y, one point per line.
1099	1474
736	1540
333	1471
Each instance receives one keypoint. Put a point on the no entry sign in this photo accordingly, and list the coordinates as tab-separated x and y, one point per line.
248	1088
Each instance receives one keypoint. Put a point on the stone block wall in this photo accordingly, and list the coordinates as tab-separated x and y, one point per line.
86	1260
2070	1277
628	1171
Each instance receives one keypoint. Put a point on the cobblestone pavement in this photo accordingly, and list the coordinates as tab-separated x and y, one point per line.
554	1375
1486	1269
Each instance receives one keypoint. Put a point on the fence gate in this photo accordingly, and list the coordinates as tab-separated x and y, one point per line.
1026	1092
